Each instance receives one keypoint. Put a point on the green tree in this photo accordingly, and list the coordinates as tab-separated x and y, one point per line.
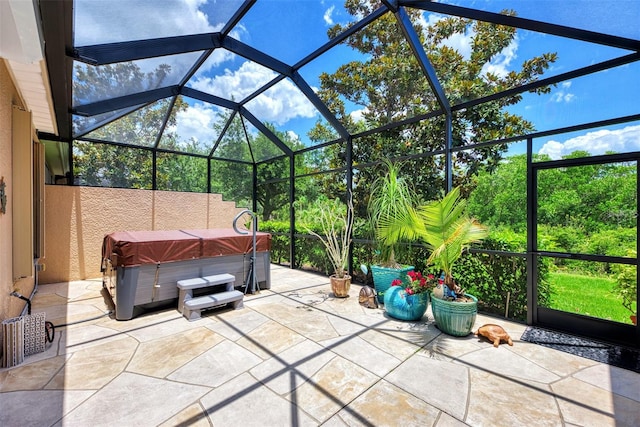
591	197
105	165
234	180
114	166
582	209
178	172
500	197
387	84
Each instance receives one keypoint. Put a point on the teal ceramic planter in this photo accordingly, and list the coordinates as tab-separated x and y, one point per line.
400	305
383	276
455	318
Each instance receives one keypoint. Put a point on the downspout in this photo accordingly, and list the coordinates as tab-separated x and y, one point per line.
27	308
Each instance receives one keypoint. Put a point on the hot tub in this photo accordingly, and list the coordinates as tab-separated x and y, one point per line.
141	268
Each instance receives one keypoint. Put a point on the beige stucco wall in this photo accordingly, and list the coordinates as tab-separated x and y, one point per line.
78	218
9	306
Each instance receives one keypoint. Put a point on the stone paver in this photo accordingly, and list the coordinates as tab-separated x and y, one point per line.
162	356
616	380
585	404
32	376
38	408
244	402
93	367
366	355
193	416
507	403
293	367
387	405
136	400
332	388
217	365
270	339
503	362
297	355
439	383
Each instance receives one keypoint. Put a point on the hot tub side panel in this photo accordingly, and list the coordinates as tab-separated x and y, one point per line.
142	287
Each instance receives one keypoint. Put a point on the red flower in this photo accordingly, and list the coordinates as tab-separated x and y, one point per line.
416	283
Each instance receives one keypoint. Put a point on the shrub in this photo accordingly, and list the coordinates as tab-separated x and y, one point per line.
493	278
279	239
627	283
489	277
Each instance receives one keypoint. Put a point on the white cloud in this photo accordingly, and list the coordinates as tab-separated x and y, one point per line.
597	142
278	105
457	41
104	23
499	64
281	103
563	94
236	84
358	115
197	122
293	136
327	15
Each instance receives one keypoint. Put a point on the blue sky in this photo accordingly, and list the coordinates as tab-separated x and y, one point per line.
291	29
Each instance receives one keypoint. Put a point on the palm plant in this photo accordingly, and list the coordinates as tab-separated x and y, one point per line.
444	227
390	197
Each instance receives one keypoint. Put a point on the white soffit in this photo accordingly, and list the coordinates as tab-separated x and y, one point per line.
32	82
21	47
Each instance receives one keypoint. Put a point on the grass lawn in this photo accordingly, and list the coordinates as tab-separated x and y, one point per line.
590	296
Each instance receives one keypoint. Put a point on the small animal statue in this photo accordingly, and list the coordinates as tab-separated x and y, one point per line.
367	297
494	333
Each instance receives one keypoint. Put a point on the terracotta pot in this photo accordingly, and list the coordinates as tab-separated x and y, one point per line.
340	286
634	319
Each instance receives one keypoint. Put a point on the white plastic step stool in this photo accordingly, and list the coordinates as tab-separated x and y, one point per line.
195	305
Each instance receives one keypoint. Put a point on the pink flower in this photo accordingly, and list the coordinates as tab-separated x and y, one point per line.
396	282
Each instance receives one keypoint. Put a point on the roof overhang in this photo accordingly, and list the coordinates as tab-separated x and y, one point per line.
21	47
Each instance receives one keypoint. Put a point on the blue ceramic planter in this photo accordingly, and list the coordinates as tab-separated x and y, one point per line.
455	318
398	304
383	276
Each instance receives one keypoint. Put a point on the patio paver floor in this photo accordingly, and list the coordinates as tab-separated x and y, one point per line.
296	355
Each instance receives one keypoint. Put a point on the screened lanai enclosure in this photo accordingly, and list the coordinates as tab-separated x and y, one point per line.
530	107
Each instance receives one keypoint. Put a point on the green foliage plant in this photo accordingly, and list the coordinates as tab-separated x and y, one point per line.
444	226
335	220
500	282
279	239
627	285
391	197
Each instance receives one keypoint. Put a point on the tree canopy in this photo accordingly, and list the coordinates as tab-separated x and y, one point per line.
387	84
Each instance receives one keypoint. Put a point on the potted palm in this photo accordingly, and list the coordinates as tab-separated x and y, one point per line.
390	195
446	229
334	219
